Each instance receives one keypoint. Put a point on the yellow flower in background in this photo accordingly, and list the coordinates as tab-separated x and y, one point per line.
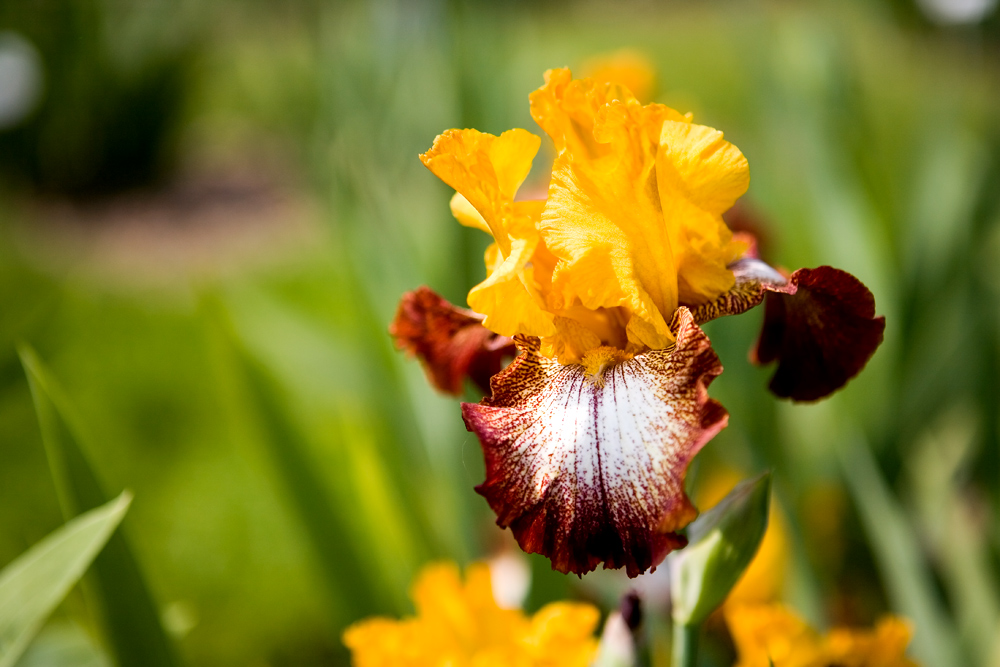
774	636
461	625
632	227
627	68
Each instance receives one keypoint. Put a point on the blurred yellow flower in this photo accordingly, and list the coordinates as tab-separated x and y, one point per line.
631	229
774	636
626	67
460	625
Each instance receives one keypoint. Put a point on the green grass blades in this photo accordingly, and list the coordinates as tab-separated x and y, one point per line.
34	584
130	616
904	571
348	577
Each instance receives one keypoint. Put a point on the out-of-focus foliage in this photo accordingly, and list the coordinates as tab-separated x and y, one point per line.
32	586
222	334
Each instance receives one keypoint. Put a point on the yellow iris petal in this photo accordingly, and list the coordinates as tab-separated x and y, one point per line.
466	213
602	220
486	170
632	227
700	176
504	298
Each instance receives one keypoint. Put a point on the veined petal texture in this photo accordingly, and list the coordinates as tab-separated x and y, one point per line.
588	468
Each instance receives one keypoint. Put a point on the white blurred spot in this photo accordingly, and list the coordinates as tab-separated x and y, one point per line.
617	648
511	578
20	78
954	12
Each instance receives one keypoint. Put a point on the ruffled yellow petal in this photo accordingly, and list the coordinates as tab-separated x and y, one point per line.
768	635
602	220
561	633
773	635
511	296
466	213
631	229
700	176
486	170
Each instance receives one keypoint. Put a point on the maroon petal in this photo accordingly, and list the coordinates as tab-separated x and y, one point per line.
819	325
587	469
821	333
451	342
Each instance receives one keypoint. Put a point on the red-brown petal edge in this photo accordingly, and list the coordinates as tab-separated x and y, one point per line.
587	471
821	334
451	342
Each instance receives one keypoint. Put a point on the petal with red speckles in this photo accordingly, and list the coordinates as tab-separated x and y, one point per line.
451	342
819	325
588	469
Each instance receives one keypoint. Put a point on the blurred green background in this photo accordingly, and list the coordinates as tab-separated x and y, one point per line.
209	211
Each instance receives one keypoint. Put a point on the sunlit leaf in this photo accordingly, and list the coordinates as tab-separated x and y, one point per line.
130	616
34	584
723	541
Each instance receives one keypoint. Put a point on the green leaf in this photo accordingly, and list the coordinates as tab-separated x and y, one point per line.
722	542
37	581
130	616
63	644
346	574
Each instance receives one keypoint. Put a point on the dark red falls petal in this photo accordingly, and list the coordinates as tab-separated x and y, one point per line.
451	342
822	334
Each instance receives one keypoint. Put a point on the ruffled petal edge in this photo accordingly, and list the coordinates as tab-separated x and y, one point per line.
588	469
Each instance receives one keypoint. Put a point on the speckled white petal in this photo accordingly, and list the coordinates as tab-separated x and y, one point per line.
589	469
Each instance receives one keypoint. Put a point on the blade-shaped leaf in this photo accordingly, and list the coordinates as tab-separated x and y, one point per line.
37	581
63	644
346	575
723	541
129	614
904	572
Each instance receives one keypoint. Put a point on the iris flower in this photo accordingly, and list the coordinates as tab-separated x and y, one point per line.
774	636
460	624
602	287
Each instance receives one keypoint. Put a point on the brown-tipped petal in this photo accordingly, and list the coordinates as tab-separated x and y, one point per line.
753	279
588	469
821	333
451	342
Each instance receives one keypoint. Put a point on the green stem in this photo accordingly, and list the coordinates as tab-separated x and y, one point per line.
685	645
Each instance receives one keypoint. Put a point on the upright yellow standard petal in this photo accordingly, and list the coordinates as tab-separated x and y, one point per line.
486	171
602	221
700	176
631	228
